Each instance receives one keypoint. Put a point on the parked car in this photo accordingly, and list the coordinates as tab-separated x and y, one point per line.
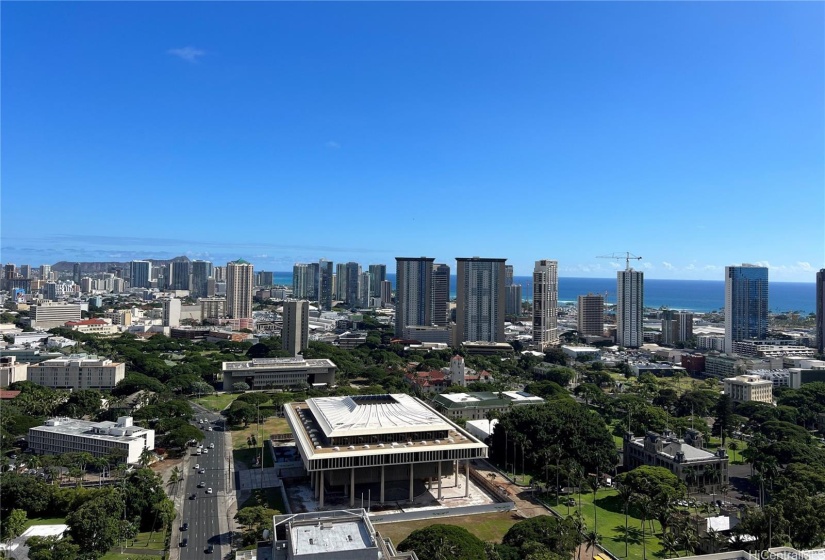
184	542
184	527
197	466
193	496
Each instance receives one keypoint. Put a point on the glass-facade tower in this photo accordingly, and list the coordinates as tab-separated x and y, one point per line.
746	304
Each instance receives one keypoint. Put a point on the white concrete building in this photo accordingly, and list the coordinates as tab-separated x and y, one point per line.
50	314
171	312
264	373
11	371
65	435
744	388
629	308
77	372
367	439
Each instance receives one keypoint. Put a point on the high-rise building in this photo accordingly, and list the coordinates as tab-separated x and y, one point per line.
820	311
590	311
512	300
219	273
508	275
677	326
746	304
171	312
50	291
9	271
479	300
386	293
305	280
378	273
86	284
325	284
77	274
341	281
239	280
25	271
630	308
413	292
295	332
364	289
201	272
353	279
545	303
45	272
213	308
140	274
441	295
179	272
265	278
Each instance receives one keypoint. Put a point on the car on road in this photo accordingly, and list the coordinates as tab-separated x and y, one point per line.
197	466
209	429
184	527
211	446
208	490
193	496
202	471
201	484
184	542
206	451
210	549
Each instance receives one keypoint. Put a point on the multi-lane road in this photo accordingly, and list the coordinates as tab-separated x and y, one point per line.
205	512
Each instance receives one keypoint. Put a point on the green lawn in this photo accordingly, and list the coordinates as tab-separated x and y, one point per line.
270	426
142	542
217	402
490	527
610	523
45	521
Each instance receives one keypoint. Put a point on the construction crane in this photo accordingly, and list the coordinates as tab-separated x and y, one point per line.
627	255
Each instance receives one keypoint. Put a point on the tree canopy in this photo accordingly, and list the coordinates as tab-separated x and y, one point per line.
444	542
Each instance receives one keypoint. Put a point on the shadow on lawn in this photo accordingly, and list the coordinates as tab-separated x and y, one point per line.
634	535
612	503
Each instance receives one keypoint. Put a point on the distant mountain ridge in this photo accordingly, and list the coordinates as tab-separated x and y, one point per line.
93	267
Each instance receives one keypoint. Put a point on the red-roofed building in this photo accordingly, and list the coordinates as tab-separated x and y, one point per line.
93	326
427	381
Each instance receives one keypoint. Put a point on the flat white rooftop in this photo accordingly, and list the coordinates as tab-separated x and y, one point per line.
373	414
277	363
330	537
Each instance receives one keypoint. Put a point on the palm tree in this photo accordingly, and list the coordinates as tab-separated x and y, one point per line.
645	505
670	544
733	446
592	539
626	496
594	486
146	457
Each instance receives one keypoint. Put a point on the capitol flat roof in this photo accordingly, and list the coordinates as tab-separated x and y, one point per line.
373	414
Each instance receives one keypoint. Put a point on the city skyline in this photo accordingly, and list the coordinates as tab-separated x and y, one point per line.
611	117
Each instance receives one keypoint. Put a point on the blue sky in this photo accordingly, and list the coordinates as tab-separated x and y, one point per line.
692	134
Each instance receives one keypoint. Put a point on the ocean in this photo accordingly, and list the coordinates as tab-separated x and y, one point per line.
700	296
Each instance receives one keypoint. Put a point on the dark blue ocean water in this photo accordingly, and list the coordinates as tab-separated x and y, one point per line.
689	295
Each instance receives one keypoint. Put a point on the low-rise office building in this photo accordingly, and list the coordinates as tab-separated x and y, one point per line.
475	406
266	373
93	326
800	376
683	457
390	440
77	372
582	352
745	388
65	435
331	535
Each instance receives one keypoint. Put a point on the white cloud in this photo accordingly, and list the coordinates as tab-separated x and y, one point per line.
668	265
647	266
615	265
691	266
711	267
189	54
805	266
333	145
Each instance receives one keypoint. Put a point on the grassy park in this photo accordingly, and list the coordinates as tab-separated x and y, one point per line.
217	402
